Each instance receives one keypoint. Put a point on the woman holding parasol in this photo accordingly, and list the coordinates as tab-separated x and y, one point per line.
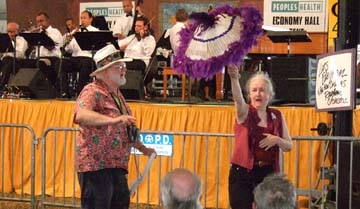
222	37
259	133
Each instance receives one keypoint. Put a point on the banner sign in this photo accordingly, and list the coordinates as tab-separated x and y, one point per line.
110	10
162	143
309	15
3	16
335	81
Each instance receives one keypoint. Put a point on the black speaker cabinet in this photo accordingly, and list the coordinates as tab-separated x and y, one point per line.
33	83
134	87
294	78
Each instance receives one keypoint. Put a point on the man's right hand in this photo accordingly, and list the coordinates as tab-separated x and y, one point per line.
126	119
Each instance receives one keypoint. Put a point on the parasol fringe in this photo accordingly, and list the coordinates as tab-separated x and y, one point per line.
250	30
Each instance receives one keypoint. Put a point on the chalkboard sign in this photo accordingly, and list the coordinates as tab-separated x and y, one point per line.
335	81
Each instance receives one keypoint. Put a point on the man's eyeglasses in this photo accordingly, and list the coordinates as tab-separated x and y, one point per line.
120	66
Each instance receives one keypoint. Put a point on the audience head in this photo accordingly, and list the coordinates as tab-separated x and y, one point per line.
127	6
181	15
43	20
181	189
86	18
275	192
260	89
13	29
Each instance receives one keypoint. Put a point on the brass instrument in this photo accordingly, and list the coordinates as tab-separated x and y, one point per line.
31	27
34	30
70	36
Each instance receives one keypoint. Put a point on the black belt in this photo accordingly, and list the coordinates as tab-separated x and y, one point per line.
262	163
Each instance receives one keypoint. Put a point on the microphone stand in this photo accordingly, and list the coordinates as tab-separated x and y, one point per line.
14	64
59	74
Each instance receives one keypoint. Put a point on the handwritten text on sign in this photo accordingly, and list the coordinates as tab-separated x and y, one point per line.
334	81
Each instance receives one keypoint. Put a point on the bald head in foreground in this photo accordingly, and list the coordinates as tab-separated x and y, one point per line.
181	189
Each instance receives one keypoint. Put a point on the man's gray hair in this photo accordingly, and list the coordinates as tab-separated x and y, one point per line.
275	192
181	189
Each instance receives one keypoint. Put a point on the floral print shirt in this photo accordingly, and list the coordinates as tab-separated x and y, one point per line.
99	147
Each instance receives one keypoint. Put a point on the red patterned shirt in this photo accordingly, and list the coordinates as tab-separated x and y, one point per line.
99	147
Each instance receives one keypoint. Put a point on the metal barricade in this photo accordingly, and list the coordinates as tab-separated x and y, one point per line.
59	142
199	163
17	161
62	142
59	177
318	190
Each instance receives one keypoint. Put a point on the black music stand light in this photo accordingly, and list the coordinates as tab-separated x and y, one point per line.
6	46
288	37
93	41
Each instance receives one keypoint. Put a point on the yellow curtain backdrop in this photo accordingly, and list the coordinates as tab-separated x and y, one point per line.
41	115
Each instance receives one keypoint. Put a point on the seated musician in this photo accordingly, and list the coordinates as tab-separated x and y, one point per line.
49	56
139	46
81	60
71	28
7	58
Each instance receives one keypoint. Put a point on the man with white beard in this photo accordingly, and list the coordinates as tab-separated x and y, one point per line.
103	145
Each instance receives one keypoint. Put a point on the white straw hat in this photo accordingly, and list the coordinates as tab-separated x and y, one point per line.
106	57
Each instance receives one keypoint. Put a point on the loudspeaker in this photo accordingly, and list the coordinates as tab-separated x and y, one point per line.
134	87
32	83
294	78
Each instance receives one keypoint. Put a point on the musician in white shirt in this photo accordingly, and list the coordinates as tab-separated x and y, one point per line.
43	22
181	17
49	55
124	24
81	60
7	59
73	47
139	46
21	44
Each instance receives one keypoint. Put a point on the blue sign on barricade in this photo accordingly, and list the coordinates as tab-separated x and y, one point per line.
162	143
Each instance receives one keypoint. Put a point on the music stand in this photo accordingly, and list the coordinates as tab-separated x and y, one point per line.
288	37
38	39
93	41
5	43
6	46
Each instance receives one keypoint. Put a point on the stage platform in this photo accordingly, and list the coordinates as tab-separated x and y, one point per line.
210	117
190	116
